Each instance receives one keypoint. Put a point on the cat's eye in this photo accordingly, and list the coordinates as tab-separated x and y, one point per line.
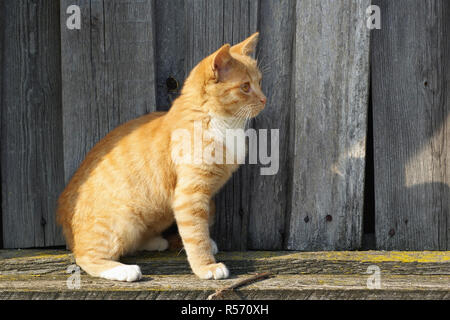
245	87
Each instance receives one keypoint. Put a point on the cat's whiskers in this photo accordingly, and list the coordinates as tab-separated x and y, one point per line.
271	62
257	57
260	62
246	113
265	69
267	66
239	115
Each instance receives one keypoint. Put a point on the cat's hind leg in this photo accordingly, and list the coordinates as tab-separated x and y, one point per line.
214	248
109	269
157	243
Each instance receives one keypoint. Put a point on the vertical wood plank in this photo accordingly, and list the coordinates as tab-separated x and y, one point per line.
233	201
331	101
210	24
31	144
411	103
170	50
269	194
108	72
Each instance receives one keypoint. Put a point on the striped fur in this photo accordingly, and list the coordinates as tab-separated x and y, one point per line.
128	189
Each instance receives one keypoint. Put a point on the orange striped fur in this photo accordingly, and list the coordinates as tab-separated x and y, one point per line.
128	189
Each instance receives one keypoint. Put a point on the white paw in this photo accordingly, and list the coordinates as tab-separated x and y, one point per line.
214	248
123	273
214	271
156	244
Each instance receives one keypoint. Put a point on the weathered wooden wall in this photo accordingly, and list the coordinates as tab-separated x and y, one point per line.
62	90
262	212
331	102
269	194
411	104
31	127
108	72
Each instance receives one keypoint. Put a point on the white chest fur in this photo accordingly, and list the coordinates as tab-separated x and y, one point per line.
230	132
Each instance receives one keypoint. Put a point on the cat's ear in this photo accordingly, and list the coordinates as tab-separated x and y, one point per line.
246	47
221	62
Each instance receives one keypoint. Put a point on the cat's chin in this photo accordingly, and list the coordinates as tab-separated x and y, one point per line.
253	113
256	113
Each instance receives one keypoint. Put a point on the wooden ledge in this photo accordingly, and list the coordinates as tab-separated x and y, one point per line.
42	274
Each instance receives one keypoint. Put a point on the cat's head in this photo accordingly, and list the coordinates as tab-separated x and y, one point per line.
232	80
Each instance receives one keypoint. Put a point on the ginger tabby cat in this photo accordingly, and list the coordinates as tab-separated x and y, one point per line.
129	189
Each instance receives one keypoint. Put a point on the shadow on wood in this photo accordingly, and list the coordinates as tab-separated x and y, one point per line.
42	274
411	104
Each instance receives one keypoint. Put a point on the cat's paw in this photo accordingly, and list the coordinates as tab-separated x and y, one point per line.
213	271
214	248
123	273
156	244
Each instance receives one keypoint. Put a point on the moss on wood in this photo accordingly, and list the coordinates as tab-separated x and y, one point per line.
42	274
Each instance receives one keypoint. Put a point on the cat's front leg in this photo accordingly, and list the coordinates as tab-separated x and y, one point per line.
191	210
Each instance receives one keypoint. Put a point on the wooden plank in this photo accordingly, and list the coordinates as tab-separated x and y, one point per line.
169	50
269	194
31	146
315	275
331	101
411	103
233	22
38	261
108	72
293	287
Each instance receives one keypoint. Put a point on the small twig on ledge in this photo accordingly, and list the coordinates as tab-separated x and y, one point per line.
239	283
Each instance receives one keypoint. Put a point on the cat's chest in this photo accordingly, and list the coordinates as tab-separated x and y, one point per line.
229	136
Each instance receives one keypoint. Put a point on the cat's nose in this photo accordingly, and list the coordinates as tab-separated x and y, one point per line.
263	100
